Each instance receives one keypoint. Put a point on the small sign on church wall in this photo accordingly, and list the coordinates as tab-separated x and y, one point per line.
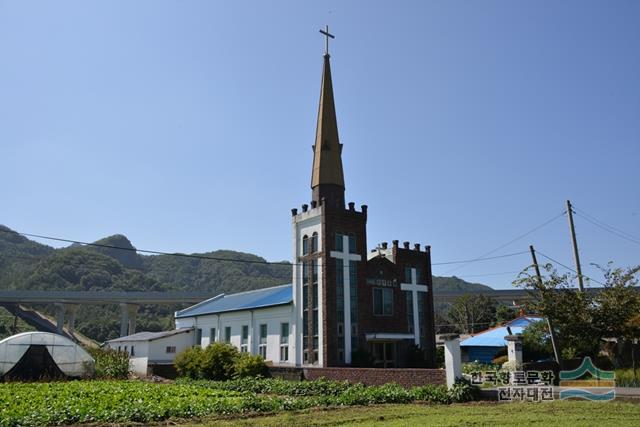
389	283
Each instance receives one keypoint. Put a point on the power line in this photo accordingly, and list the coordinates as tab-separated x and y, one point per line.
608	228
604	223
212	258
567	267
480	259
549	221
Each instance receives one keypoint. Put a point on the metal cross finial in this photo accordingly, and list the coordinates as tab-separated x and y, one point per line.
327	35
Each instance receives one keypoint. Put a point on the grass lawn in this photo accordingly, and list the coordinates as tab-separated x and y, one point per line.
559	413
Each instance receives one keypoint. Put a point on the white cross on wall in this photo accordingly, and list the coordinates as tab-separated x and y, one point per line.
346	257
414	288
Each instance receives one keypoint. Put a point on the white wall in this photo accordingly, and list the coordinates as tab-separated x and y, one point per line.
306	223
158	348
153	351
139	361
271	316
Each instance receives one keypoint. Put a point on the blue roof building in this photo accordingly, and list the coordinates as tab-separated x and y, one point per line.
250	300
484	345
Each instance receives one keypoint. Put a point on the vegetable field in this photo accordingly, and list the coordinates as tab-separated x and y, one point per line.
56	403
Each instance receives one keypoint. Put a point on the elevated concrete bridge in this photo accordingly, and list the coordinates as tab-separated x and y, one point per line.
67	302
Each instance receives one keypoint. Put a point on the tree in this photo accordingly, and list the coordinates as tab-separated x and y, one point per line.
504	313
536	342
569	310
472	313
582	319
616	308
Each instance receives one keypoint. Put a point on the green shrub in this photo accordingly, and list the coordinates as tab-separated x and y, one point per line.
219	361
430	393
536	342
462	391
189	363
110	364
625	378
247	365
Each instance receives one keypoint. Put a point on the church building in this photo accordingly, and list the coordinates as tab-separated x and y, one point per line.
347	305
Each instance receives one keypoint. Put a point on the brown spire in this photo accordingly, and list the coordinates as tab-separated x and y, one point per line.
327	180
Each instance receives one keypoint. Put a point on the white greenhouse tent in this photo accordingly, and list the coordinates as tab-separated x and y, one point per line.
43	355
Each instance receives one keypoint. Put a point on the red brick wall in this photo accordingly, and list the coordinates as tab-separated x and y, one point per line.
374	376
343	221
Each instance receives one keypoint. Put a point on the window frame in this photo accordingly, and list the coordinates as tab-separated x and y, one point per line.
387	298
284	342
262	345
244	339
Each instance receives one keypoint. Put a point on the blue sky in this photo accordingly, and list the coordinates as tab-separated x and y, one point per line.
187	125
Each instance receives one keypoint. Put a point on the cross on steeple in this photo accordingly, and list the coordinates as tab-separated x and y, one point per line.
326	34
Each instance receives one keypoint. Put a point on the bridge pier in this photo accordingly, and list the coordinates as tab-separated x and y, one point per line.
128	319
60	309
71	321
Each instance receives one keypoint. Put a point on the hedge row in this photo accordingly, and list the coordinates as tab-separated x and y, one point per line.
342	392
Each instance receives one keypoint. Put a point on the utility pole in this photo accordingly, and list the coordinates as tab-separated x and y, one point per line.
552	333
576	257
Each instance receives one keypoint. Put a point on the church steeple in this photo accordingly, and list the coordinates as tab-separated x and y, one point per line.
327	179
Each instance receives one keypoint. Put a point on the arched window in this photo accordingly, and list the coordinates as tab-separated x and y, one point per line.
314	242
305	245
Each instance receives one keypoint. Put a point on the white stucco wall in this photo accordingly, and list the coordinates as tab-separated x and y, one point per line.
305	223
158	348
146	351
273	317
139	361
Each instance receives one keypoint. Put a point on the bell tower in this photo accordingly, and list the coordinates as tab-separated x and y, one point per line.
329	242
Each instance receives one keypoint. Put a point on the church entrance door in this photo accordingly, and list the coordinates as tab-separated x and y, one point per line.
384	354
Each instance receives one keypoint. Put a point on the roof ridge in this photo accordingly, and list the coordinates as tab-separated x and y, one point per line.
246	300
208	300
256	290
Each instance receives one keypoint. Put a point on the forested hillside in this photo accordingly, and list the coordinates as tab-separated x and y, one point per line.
25	264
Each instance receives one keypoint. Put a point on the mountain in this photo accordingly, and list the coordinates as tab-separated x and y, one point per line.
128	257
453	283
25	264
